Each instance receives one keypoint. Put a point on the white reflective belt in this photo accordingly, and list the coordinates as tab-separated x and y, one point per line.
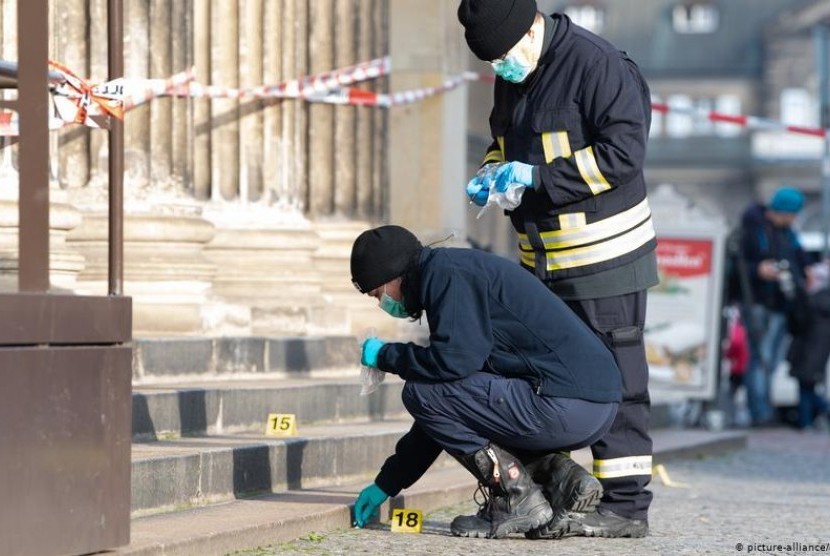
622	467
575	236
607	250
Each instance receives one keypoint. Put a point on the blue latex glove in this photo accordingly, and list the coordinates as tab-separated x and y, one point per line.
477	191
371	348
367	503
513	172
478	188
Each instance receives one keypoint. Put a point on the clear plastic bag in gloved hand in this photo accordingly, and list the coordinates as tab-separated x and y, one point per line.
370	377
507	200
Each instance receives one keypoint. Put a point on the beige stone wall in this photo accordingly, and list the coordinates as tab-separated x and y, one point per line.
240	214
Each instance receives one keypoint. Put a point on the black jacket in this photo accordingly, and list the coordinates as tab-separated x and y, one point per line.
486	314
808	353
760	240
582	120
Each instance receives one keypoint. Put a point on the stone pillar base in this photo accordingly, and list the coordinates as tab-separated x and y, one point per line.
165	271
264	262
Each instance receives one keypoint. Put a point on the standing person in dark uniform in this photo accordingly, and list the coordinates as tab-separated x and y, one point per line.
776	265
510	375
570	122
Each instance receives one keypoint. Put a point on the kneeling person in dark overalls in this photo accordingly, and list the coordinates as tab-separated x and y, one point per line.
510	378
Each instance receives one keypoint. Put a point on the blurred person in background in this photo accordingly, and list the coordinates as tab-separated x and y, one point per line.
809	352
776	266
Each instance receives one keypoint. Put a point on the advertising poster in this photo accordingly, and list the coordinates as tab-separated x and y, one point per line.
682	319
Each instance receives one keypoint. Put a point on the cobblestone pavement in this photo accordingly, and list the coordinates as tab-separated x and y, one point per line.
777	492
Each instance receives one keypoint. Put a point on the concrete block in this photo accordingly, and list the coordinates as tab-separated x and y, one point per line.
172	357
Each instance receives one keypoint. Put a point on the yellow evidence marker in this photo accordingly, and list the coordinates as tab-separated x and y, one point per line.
407	521
281	424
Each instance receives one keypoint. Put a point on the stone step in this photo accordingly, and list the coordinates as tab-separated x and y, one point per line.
280	517
221	407
167	360
211	407
170	475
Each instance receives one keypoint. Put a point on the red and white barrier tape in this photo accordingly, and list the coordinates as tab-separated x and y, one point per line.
360	97
304	88
750	122
76	101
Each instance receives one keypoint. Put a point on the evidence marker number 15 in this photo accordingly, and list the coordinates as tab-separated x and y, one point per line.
281	424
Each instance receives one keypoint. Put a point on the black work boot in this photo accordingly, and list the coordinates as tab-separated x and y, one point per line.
601	523
477	525
567	486
515	503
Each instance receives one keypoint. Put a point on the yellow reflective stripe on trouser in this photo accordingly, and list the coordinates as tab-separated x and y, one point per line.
607	250
589	170
622	467
500	141
556	144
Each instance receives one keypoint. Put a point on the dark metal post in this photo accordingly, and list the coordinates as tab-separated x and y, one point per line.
822	45
115	43
33	209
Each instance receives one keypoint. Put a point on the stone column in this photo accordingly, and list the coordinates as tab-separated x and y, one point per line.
345	150
427	140
365	137
70	47
224	40
201	107
321	116
161	109
136	66
250	126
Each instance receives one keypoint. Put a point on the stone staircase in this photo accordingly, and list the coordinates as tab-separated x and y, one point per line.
206	479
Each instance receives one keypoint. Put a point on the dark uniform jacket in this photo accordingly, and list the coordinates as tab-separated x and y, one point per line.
486	314
582	119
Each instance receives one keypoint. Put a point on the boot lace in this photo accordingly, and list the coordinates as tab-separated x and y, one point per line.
483	498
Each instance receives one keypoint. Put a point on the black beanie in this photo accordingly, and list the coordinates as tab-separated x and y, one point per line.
382	254
493	27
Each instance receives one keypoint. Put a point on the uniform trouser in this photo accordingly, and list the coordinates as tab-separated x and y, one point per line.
465	415
622	458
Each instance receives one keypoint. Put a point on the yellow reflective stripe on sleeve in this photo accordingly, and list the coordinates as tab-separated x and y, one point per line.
591	254
500	141
493	156
555	145
586	162
573	220
622	467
